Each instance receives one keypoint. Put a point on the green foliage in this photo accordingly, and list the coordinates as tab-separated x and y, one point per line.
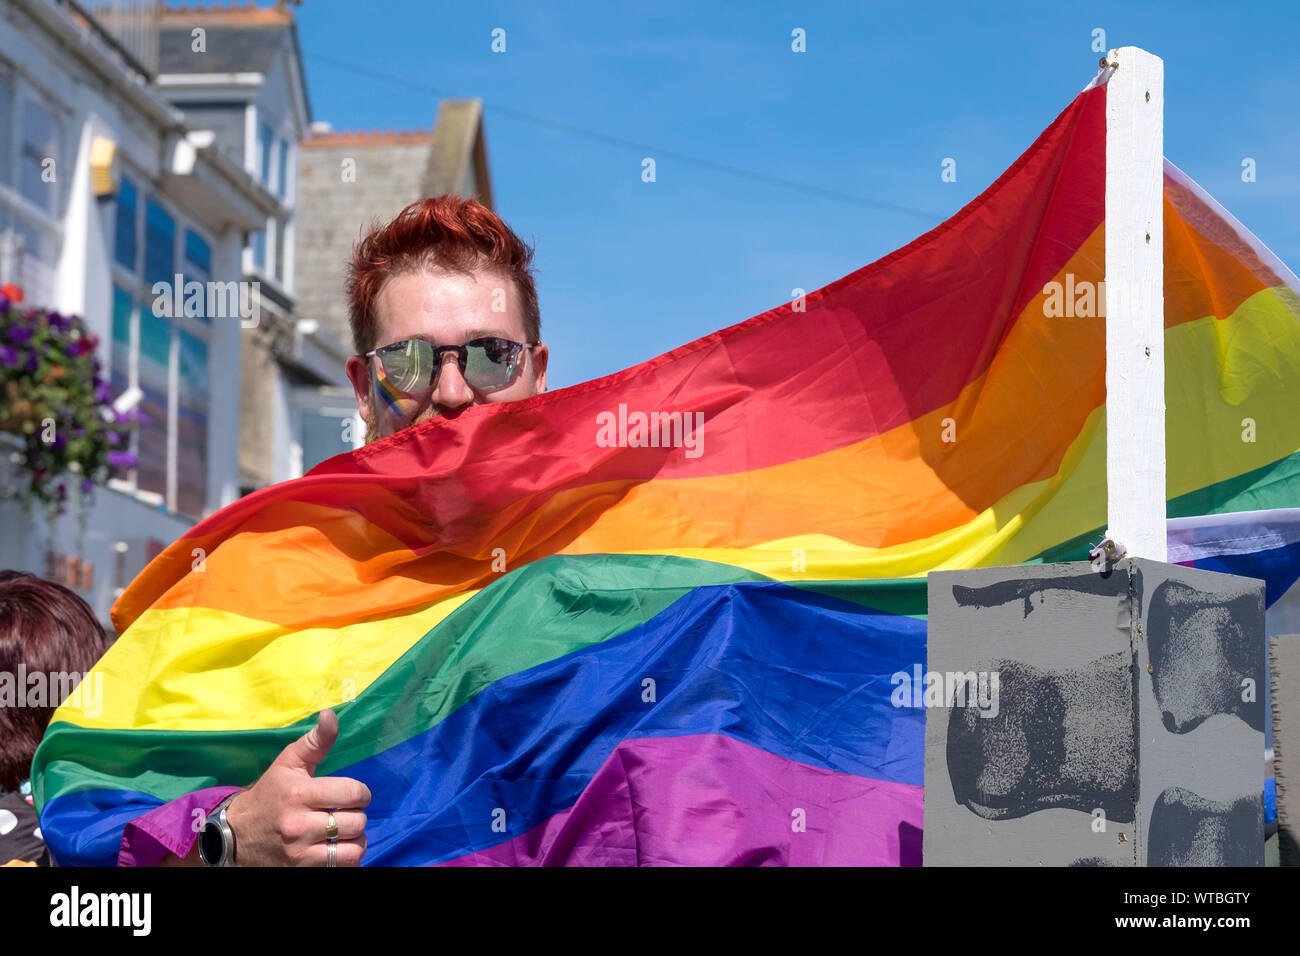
53	398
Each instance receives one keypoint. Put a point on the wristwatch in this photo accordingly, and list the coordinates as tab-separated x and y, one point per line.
216	839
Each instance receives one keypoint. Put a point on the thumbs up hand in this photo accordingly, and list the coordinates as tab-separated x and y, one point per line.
281	820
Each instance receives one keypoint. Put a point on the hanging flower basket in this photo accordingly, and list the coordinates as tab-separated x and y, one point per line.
53	399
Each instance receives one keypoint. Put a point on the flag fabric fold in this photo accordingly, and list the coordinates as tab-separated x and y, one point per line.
656	618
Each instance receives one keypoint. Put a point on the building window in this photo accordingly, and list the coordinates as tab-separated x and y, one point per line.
321	438
280	229
324	424
198	257
124	245
121	373
121	331
192	424
39	177
154	380
6	124
31	235
282	179
265	139
159	244
257	241
198	265
164	355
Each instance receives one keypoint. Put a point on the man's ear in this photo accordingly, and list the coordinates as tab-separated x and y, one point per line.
539	356
359	375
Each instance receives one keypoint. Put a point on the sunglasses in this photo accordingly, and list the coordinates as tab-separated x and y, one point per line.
413	365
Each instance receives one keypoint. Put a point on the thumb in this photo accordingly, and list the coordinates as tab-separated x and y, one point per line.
310	749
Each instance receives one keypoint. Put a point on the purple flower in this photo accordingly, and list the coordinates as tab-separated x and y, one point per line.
20	333
114	438
134	416
87	486
8	356
103	392
78	432
59	322
121	459
31	363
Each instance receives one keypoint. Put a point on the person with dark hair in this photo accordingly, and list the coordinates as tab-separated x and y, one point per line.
49	639
445	278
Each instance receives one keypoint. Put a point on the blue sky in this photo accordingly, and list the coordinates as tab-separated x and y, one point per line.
628	269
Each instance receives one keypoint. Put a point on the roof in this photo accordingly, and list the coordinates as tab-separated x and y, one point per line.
374	137
229	49
239	39
455	143
248	13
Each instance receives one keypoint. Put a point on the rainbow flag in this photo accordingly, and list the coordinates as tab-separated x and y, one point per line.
656	617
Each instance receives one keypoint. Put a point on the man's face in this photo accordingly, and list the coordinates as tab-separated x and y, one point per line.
444	308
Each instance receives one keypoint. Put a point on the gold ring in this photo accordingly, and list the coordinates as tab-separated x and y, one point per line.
331	853
331	828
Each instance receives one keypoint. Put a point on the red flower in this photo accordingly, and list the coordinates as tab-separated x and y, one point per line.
11	292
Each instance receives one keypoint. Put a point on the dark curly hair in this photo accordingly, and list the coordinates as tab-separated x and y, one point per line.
46	628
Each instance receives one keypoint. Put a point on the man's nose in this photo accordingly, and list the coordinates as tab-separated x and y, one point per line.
452	391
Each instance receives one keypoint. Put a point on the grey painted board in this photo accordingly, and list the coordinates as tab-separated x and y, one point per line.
1127	723
1284	665
1200	655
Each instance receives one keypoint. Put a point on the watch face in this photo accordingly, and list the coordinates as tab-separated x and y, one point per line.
211	845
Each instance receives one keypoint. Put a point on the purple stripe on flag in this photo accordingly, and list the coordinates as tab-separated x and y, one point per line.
710	800
170	828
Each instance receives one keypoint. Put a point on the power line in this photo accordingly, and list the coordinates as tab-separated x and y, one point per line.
642	148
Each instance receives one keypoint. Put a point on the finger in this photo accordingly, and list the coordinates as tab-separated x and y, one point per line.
347	853
335	793
310	749
351	824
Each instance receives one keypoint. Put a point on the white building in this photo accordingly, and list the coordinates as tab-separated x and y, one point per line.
138	196
237	71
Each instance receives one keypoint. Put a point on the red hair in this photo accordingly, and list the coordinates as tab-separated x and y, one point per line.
448	232
48	628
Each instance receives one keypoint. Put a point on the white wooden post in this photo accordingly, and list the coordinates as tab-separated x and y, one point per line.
1135	338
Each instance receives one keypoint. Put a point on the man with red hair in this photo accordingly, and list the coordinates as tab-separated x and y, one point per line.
445	278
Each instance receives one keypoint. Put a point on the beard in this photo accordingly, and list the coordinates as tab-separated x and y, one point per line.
391	424
374	433
372	430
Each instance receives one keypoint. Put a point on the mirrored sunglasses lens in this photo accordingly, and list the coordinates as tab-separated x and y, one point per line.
408	368
489	362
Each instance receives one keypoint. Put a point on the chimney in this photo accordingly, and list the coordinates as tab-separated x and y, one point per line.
133	24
